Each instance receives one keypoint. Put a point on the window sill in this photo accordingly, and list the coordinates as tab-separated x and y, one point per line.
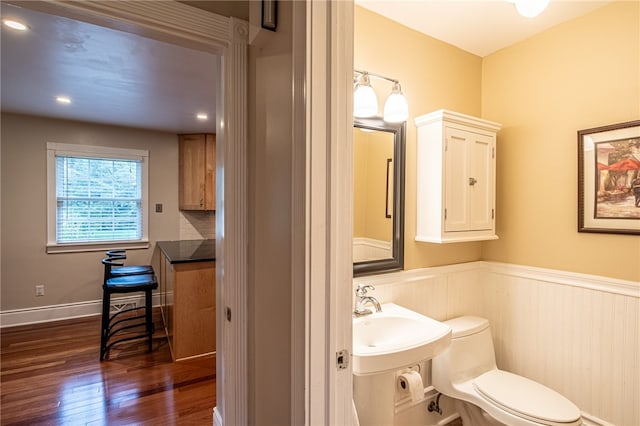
98	246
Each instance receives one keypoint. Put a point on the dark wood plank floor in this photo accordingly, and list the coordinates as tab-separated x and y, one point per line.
51	375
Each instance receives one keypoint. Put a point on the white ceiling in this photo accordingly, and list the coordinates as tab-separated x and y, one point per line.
112	77
123	79
477	26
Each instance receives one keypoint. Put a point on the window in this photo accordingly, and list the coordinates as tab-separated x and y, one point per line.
97	197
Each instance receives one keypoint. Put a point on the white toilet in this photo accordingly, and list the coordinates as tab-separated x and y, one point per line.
484	395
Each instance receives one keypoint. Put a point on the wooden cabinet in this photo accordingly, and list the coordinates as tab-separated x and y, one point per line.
197	172
188	303
456	156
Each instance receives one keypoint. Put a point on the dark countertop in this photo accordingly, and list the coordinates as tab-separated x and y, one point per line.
184	251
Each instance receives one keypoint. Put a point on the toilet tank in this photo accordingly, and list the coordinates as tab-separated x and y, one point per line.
470	354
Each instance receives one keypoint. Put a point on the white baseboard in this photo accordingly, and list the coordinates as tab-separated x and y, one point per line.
217	420
589	420
64	311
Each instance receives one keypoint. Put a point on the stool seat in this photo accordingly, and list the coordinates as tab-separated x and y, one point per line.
119	321
131	270
131	283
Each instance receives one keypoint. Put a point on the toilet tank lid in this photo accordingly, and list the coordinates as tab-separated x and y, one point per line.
466	325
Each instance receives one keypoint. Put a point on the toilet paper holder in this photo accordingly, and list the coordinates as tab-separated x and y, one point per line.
409	382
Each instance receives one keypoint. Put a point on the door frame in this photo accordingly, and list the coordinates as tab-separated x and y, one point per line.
329	227
323	71
185	26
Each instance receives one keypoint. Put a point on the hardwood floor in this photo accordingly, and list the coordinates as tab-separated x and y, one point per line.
50	374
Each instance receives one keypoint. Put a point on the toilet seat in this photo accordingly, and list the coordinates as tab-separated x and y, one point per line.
541	405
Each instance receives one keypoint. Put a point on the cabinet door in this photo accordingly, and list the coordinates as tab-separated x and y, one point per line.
194	318
169	306
481	174
469	180
192	172
456	178
162	287
210	172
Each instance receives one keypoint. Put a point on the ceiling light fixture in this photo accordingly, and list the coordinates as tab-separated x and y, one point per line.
202	116
65	100
16	25
365	101
530	8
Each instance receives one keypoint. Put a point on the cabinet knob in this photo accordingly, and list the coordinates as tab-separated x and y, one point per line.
472	181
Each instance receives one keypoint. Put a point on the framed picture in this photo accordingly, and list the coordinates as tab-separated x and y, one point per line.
609	179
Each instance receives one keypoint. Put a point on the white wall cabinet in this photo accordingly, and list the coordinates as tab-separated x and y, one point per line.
456	178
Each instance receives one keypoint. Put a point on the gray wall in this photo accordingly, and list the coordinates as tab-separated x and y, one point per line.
68	277
270	230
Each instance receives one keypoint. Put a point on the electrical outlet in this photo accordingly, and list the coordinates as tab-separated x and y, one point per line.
40	290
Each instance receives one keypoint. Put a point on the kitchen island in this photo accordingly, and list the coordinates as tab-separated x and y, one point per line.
187	285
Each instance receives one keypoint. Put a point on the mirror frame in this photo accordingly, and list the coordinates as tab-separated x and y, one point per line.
396	262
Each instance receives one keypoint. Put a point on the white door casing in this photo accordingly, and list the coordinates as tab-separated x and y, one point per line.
189	27
327	53
330	210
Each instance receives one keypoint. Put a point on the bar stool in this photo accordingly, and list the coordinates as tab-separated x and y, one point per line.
117	323
120	254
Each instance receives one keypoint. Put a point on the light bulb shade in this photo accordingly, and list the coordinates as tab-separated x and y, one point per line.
365	101
396	109
531	8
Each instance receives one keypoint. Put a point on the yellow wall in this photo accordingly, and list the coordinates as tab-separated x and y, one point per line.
433	75
578	75
581	74
371	150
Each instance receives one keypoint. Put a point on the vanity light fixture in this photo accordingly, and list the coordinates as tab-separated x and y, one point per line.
530	8
365	101
396	109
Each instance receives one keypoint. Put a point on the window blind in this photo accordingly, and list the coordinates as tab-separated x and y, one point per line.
98	199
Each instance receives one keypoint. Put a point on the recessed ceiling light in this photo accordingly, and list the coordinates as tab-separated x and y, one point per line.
202	116
16	25
63	100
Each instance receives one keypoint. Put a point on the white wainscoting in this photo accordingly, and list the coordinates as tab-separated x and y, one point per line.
575	333
369	249
578	334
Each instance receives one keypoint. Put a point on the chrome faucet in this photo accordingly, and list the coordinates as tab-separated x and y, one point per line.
360	309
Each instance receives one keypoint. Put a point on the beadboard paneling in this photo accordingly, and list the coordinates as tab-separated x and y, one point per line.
582	342
440	293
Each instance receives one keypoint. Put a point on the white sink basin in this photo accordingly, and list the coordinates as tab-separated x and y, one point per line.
395	338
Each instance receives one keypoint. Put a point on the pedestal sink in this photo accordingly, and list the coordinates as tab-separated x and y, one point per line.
395	338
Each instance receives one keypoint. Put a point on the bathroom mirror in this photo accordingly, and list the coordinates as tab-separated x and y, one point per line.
378	196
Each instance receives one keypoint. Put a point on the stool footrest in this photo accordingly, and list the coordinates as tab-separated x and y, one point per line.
124	339
124	322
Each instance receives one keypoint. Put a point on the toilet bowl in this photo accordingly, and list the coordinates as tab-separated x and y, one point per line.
485	395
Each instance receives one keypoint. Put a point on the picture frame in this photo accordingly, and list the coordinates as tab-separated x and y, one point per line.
269	15
609	179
